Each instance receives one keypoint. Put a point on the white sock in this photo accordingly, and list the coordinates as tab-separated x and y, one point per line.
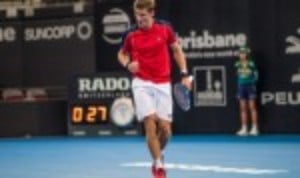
254	126
244	127
158	164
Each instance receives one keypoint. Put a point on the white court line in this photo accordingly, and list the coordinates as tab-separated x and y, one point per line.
210	168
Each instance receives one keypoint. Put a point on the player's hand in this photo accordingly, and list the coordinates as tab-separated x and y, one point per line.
187	82
133	67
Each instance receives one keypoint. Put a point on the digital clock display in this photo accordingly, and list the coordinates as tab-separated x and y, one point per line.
89	114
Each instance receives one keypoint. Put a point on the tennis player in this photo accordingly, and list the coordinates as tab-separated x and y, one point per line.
145	53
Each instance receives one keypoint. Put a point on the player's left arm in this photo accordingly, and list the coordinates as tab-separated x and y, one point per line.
255	71
180	59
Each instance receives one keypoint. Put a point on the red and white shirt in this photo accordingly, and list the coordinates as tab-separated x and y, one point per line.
150	48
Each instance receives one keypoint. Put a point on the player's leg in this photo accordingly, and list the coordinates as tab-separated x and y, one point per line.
253	110
242	97
151	130
164	133
243	118
146	113
145	110
164	107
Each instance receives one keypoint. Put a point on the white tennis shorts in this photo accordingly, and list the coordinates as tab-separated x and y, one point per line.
151	98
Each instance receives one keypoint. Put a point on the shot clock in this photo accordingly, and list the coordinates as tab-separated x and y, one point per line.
101	104
89	114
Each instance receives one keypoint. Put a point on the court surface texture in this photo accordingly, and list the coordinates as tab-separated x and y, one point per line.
207	156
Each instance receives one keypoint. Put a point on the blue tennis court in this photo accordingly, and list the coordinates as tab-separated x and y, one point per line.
217	156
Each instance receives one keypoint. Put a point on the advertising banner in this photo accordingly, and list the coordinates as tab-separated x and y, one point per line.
10	50
210	33
54	50
101	104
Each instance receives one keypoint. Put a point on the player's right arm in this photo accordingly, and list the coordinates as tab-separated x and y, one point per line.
126	62
124	57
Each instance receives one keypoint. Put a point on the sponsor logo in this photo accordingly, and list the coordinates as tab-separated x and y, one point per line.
83	30
122	112
296	77
115	24
211	91
294	44
283	98
103	87
208	45
7	34
104	84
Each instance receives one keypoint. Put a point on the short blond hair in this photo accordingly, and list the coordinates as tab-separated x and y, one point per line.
149	5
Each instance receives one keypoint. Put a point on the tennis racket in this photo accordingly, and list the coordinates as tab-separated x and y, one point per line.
182	95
